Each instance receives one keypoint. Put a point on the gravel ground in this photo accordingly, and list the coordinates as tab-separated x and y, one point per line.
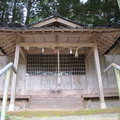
114	116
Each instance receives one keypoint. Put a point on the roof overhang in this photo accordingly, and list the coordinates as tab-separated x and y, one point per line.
105	39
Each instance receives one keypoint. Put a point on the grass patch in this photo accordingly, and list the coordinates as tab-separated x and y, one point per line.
43	116
58	115
62	113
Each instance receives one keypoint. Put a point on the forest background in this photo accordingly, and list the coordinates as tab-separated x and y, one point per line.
89	12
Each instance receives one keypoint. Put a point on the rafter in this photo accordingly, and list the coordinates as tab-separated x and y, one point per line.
105	39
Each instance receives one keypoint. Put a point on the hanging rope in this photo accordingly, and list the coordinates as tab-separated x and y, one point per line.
33	44
53	47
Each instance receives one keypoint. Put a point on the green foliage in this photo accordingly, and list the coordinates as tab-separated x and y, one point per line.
6	115
91	12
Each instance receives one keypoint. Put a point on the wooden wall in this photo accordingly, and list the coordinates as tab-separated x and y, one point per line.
83	83
50	82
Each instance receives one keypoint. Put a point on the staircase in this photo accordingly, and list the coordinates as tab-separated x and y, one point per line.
56	103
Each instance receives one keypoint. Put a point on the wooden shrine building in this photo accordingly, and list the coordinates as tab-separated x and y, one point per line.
59	62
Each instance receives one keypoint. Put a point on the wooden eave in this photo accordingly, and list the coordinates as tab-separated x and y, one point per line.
105	39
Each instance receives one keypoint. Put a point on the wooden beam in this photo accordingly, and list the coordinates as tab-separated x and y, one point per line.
13	91
69	45
50	51
61	34
101	31
89	54
23	55
98	71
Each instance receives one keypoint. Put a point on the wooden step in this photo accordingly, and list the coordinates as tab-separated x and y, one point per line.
56	100
56	103
75	106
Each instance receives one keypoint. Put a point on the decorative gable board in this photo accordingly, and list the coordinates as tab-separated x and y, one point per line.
55	19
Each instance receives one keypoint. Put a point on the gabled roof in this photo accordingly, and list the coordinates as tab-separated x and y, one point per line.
56	20
106	35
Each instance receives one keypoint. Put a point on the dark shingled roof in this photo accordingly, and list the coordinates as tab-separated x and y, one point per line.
11	25
18	26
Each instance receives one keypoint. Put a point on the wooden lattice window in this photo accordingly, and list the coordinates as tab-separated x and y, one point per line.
47	65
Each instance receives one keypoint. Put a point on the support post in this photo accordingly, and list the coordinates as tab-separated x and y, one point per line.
5	97
117	75
13	91
111	60
98	70
58	68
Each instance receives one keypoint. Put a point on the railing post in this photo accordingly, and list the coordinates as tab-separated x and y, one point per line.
117	74
5	97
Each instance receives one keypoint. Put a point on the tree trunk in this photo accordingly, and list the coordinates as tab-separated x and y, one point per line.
3	13
13	11
28	12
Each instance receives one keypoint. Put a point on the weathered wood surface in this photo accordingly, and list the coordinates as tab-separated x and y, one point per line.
74	84
56	103
3	61
50	82
111	73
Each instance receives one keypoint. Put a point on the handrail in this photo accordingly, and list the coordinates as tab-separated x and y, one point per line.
112	65
3	70
117	74
6	88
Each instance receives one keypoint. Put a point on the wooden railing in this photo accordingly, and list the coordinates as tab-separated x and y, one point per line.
6	87
117	74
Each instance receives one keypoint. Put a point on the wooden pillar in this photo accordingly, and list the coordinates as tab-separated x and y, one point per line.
13	89
99	77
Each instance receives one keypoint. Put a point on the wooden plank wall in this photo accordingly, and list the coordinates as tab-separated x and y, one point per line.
29	85
92	77
109	80
50	82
